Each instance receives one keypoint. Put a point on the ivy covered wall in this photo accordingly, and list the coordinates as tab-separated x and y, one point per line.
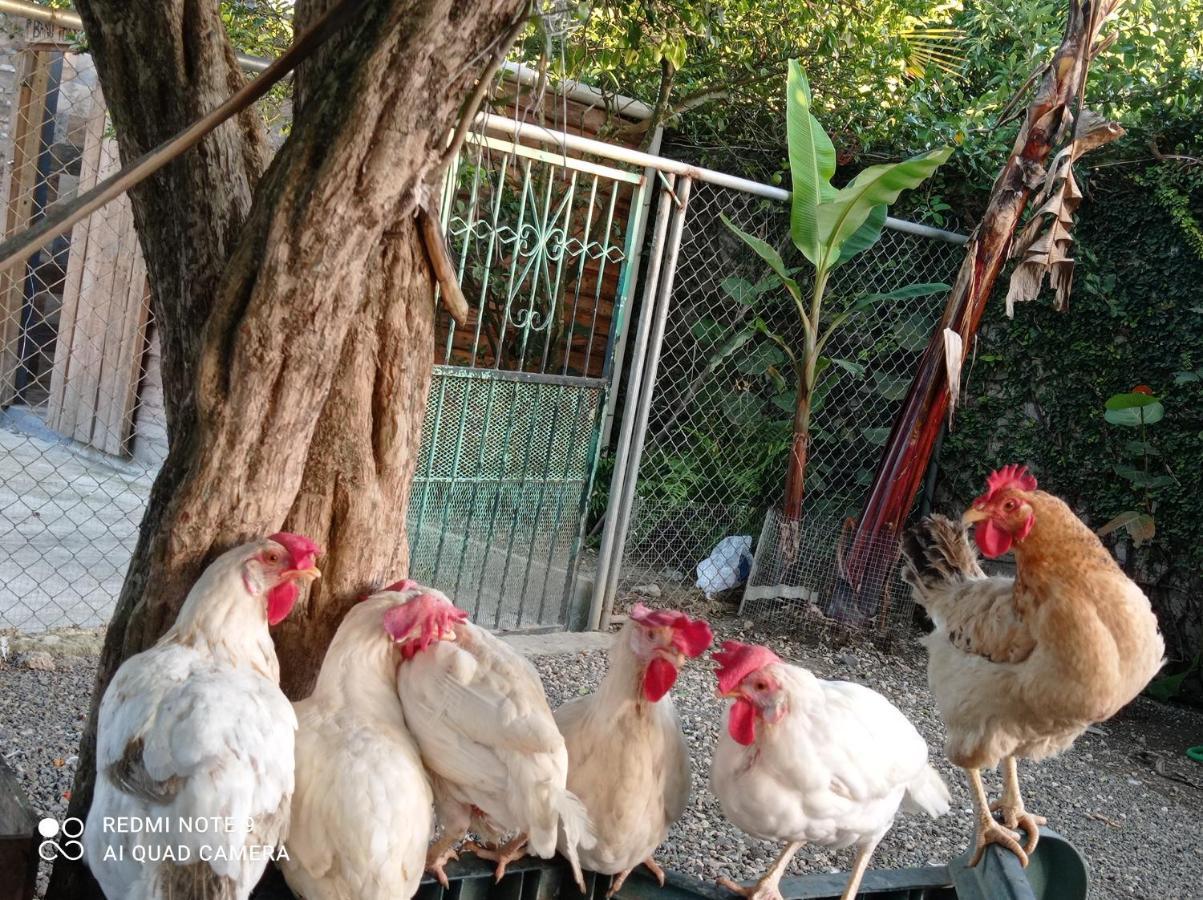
1038	383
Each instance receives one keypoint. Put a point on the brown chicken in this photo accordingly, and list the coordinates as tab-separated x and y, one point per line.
1020	667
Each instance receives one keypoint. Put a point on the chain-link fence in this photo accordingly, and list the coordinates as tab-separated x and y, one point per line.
81	426
720	420
542	240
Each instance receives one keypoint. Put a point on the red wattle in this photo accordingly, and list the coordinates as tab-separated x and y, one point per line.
658	679
280	600
741	723
992	540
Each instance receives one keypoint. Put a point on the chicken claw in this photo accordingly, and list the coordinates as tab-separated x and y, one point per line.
1014	813
990	832
503	855
436	861
617	881
654	867
765	889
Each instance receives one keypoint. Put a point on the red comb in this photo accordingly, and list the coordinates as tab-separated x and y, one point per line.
301	551
434	614
690	636
1013	476
737	661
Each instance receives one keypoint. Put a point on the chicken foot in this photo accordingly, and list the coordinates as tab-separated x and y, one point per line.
618	880
988	830
439	854
768	887
504	855
1014	813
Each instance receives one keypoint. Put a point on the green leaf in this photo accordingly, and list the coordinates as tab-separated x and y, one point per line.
1167	688
1187	377
758	360
765	252
707	331
1141	478
840	217
890	387
743	409
849	366
739	289
1129	401
864	237
733	343
1141	447
876	436
1133	410
786	402
905	293
811	165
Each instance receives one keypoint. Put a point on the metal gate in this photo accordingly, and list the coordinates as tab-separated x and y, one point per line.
545	245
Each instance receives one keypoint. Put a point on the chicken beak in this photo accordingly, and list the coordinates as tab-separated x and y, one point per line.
726	695
973	514
311	574
674	657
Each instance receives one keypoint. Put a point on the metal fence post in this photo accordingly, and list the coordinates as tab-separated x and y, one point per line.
619	520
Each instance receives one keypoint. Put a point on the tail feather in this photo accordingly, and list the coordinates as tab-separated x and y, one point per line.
927	794
938	552
578	832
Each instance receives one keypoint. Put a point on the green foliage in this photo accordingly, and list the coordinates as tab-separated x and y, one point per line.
726	56
828	227
1169	687
258	27
1055	390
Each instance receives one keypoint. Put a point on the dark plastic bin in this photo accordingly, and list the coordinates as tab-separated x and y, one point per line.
1057	872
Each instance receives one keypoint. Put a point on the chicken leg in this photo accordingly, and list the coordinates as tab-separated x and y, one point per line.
859	865
767	888
988	830
617	881
503	855
1014	813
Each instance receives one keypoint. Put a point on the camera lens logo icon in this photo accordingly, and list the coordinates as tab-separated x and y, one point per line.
61	839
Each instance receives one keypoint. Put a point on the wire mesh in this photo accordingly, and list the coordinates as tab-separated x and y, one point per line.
510	440
720	423
81	426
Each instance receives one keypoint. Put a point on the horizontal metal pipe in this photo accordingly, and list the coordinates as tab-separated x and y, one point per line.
70	21
472	374
503	125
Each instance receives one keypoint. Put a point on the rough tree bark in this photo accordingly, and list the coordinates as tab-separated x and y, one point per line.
295	304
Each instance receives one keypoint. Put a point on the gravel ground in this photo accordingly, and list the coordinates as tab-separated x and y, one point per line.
1142	832
1128	797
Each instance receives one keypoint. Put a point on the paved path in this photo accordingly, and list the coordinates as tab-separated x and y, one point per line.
68	524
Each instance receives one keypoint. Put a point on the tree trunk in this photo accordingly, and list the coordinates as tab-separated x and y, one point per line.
902	466
301	326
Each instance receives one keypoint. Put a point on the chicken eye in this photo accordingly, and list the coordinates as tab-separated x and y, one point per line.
271	557
1010	505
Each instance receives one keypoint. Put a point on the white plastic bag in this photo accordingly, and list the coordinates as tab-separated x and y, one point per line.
727	566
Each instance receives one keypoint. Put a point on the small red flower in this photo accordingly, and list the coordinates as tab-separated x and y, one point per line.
1142	389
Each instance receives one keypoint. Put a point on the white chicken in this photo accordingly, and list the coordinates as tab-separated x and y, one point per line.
362	812
195	741
627	757
809	761
498	764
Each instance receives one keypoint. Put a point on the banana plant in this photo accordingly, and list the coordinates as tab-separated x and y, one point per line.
829	226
